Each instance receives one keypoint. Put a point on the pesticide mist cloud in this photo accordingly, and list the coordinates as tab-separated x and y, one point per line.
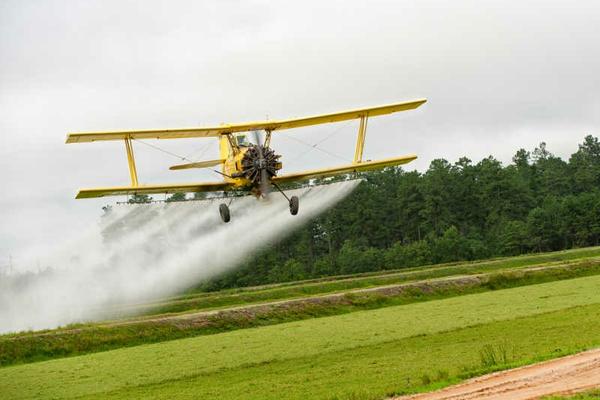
144	252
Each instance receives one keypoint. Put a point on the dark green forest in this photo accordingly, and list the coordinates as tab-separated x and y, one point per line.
451	212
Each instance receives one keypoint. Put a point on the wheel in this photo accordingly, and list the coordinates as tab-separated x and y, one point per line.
294	204
224	211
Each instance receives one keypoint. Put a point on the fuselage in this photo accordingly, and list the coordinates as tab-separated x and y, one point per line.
247	164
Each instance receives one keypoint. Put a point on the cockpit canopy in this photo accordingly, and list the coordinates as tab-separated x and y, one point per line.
242	140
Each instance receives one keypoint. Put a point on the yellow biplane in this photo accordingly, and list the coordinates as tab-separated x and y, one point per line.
250	167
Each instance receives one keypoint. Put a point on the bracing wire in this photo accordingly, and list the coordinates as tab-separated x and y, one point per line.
183	158
315	145
199	152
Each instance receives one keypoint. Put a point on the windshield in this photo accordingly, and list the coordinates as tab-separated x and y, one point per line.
242	141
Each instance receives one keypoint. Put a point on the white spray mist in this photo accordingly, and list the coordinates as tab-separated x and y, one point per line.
140	253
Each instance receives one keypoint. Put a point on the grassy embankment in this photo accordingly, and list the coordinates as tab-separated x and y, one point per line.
30	347
236	297
360	355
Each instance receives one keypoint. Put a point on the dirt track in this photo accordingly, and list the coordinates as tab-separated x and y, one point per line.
567	375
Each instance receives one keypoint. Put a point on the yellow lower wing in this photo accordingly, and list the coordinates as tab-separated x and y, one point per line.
344	169
151	189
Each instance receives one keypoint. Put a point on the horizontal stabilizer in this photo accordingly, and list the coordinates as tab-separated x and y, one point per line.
201	164
153	189
344	169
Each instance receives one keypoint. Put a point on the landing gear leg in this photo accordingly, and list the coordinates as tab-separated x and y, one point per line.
224	211
294	202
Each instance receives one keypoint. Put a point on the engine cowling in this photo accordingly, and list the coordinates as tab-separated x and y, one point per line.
258	159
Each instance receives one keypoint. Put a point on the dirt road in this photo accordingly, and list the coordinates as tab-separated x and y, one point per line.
566	375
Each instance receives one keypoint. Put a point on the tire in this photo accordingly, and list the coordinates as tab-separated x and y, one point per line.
224	211
294	205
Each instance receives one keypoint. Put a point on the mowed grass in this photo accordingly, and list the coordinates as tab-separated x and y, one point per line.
366	354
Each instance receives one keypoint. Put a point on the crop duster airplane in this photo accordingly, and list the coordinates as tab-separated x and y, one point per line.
250	167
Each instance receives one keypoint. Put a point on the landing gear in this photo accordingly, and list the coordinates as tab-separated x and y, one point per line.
224	211
294	204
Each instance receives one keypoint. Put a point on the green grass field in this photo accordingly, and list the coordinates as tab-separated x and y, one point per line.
35	346
361	355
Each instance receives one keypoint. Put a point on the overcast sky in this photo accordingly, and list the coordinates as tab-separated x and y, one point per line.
498	76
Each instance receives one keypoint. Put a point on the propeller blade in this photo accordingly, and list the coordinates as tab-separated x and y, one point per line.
265	187
257	137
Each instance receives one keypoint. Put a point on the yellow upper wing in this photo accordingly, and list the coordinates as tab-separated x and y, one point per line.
151	189
213	131
344	169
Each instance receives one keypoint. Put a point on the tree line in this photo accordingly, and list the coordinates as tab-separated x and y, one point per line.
451	212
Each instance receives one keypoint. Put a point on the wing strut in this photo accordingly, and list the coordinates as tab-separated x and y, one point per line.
360	140
131	161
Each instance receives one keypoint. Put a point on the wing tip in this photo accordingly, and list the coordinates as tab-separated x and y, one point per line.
417	103
82	195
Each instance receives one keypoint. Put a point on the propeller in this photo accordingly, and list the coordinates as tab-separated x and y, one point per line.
265	187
